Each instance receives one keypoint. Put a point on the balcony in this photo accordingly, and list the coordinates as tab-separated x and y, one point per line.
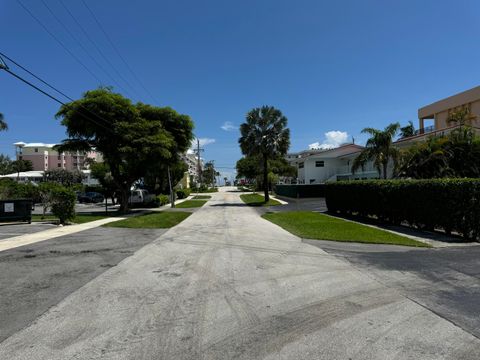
425	130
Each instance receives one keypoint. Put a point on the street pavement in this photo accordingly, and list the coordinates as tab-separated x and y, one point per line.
227	284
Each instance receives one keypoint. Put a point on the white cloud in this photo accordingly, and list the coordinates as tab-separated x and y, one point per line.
229	126
332	140
203	142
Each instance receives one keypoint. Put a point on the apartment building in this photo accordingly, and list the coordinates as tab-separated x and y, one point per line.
44	157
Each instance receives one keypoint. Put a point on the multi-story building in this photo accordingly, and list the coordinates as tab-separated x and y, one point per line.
436	119
44	157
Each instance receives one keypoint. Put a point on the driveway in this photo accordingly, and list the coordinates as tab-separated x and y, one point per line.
227	284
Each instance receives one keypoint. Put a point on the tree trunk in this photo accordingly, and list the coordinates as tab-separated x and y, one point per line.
124	198
385	166
265	178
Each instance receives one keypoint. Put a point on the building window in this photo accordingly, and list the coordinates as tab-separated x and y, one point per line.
319	163
20	158
312	181
59	165
59	157
301	165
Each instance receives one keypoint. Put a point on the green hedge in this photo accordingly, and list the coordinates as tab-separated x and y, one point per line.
162	199
183	193
449	204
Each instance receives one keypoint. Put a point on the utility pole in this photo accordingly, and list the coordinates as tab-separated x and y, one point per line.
199	165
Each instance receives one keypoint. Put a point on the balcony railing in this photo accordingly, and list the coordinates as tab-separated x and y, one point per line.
425	130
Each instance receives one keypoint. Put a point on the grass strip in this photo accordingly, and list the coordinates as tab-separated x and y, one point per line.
190	204
257	200
157	220
79	218
312	225
201	197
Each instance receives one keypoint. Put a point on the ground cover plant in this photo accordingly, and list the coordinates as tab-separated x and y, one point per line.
191	204
156	220
257	200
313	225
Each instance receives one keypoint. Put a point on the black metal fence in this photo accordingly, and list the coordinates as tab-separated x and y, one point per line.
300	191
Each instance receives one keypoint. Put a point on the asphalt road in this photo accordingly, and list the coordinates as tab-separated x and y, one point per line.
446	280
227	284
36	277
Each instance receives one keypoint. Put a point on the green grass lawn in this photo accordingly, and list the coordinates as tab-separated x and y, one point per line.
257	200
157	220
201	197
191	204
311	225
79	218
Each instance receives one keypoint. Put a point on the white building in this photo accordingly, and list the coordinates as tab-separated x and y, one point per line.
319	166
36	177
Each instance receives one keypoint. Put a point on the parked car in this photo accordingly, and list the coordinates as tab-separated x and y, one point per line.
141	196
91	197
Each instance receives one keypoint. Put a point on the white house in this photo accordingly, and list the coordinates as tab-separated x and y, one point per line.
319	166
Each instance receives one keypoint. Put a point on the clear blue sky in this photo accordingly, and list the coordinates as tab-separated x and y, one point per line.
328	65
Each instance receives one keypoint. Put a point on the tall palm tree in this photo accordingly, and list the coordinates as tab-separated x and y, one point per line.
265	134
3	124
378	149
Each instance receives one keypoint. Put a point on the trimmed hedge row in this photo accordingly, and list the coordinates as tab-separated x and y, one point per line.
449	204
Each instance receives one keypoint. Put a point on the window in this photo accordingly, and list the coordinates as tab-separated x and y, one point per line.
319	163
59	165
301	165
312	181
20	158
36	149
59	157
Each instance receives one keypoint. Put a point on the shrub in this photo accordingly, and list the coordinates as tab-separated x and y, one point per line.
163	199
449	204
183	193
63	203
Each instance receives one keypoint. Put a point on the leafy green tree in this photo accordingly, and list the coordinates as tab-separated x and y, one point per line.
62	202
45	193
3	124
19	166
265	134
130	137
407	130
64	177
5	165
101	172
379	149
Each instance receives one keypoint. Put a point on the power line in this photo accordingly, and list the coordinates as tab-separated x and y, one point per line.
105	58
6	68
117	51
58	41
82	46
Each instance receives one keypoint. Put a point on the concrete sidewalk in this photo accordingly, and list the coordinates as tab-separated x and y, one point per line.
227	284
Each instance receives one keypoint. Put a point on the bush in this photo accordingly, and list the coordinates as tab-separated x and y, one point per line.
163	199
183	193
63	203
449	204
203	189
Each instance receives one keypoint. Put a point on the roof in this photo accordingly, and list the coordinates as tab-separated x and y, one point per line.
22	144
450	102
342	150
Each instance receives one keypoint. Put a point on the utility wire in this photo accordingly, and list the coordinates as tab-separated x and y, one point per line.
117	51
82	46
59	41
6	68
105	58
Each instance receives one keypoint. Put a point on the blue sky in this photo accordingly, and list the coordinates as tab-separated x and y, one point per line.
330	66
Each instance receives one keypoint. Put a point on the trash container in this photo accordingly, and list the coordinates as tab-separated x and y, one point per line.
16	210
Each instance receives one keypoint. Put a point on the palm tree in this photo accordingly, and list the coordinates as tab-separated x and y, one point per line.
265	134
378	149
3	124
407	131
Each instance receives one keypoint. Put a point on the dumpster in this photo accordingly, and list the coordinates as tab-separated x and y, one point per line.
16	210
